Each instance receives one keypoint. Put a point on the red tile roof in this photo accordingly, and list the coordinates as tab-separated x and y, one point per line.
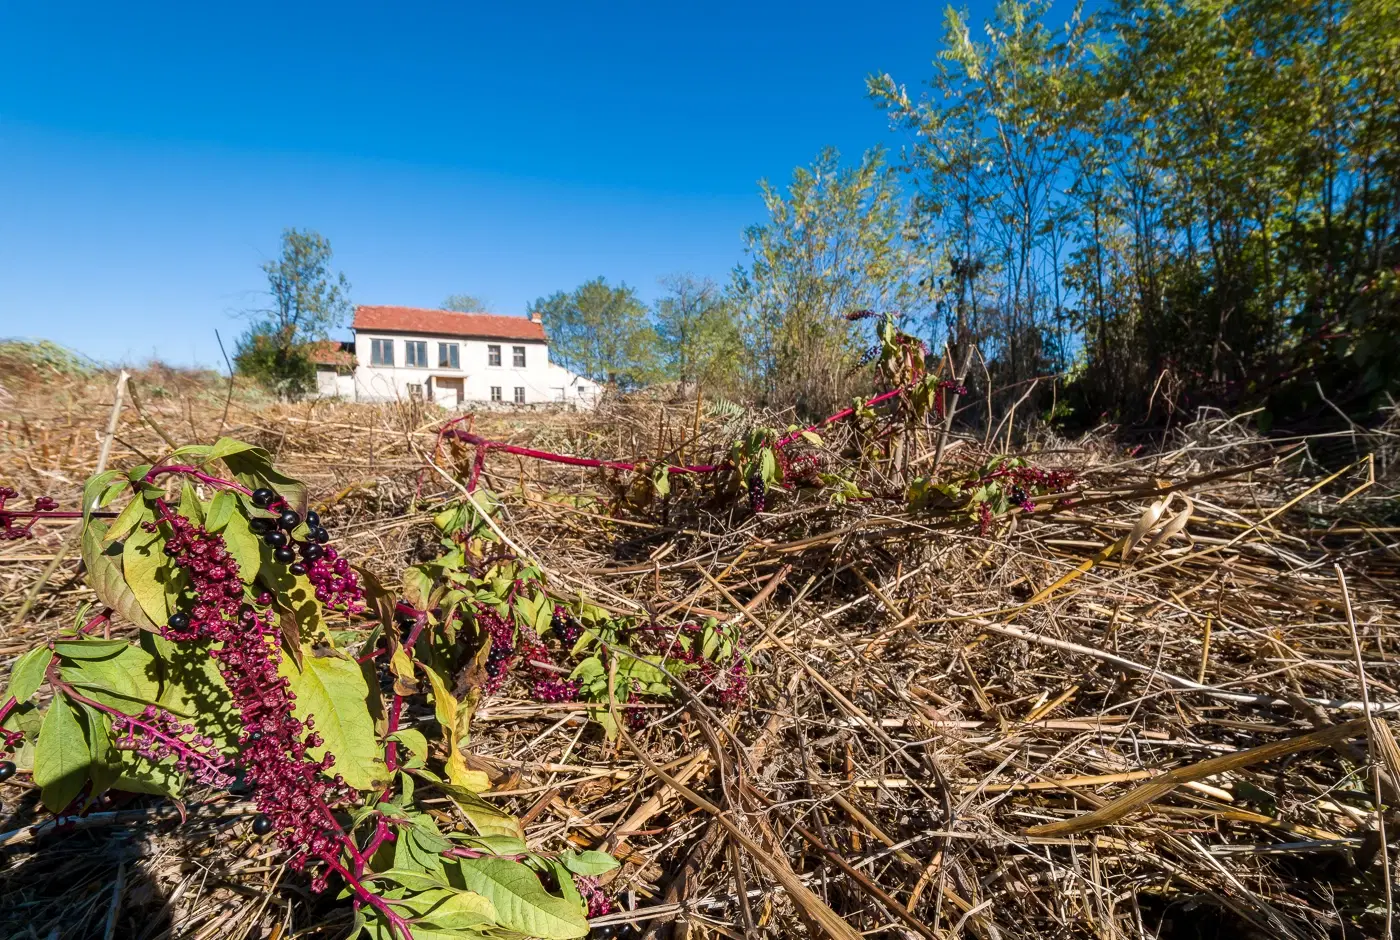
329	352
447	323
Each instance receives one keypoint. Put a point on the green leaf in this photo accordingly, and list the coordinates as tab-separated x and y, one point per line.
27	674
221	507
106	759
416	744
252	466
190	506
145	568
520	900
418	586
455	910
126	681
332	689
89	648
589	863
100	490
227	447
61	758
104	576
192	688
410	878
485	817
242	544
137	511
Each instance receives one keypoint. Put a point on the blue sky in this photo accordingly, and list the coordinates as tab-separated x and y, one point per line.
151	154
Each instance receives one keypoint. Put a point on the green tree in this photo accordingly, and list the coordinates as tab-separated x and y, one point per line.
1179	199
307	302
698	332
602	332
838	241
465	303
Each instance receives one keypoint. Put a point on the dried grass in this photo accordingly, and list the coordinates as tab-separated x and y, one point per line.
1133	717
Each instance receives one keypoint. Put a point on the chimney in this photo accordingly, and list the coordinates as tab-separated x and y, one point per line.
536	316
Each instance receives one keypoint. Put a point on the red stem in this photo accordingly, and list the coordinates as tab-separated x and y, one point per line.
483	444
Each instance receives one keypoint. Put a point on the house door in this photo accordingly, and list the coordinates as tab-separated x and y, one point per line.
449	391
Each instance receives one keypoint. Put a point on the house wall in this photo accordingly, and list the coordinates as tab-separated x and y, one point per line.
542	381
331	384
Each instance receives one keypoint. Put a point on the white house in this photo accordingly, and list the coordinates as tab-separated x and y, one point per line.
453	359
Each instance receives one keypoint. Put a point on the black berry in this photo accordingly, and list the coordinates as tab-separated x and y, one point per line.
757	490
179	620
285	555
313	519
321	535
261	825
276	539
263	497
261	525
7	770
298	568
311	551
289	519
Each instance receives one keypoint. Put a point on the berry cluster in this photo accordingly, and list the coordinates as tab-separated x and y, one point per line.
947	385
802	470
331	577
214	581
9	528
158	735
757	492
731	681
290	787
855	315
598	902
564	627
870	354
545	683
502	655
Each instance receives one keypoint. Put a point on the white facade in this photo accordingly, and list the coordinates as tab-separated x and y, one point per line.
458	370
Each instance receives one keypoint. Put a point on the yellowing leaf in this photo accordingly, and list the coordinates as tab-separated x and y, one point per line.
456	724
332	691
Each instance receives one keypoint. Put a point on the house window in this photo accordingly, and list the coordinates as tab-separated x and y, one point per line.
519	395
518	355
495	393
415	390
415	353
381	352
448	356
493	355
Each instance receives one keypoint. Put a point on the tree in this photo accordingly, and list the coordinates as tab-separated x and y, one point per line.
307	302
465	303
698	332
839	241
601	332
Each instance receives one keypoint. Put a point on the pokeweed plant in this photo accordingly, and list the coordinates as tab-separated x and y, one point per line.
992	490
241	678
492	625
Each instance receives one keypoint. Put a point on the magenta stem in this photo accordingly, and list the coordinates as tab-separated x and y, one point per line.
364	896
199	475
483	445
211	766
